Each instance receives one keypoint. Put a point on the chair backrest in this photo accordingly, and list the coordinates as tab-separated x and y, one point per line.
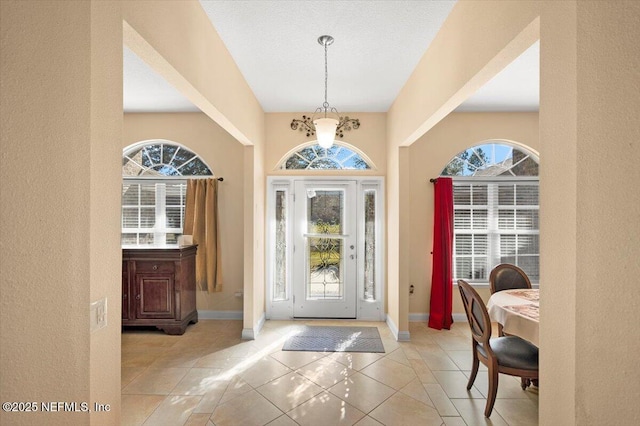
477	314
506	276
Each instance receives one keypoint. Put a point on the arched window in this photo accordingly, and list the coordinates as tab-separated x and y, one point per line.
314	157
161	158
153	191
495	197
492	159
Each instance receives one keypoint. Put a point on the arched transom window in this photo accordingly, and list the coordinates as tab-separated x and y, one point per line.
159	158
492	159
496	211
314	157
154	191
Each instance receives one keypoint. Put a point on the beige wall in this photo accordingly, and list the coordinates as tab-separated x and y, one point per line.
105	197
428	156
179	42
224	155
559	215
59	206
397	245
370	139
589	136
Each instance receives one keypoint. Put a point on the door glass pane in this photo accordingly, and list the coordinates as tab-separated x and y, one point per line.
280	279
325	275
325	211
369	244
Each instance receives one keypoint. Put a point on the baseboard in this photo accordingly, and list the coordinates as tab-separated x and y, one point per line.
400	336
404	336
418	317
261	322
220	315
252	333
460	317
424	317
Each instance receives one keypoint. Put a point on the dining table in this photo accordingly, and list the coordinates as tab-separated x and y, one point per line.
517	311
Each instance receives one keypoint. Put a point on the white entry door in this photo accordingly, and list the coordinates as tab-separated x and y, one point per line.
324	268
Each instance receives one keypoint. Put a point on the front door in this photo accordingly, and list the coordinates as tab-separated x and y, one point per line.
324	268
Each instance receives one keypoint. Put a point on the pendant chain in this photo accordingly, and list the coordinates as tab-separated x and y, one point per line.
326	78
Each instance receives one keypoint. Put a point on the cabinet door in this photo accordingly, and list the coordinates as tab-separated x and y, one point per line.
125	290
155	296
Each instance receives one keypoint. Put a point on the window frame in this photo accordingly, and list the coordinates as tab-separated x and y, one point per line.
493	231
159	181
160	206
328	156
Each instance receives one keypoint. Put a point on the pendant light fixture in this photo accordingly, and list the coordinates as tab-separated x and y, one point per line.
325	122
323	119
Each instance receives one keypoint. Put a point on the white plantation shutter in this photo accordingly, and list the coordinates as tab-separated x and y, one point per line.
152	211
495	221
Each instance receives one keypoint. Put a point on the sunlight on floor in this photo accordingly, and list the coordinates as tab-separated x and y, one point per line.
209	376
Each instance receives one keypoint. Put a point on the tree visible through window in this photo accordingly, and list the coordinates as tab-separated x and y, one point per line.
162	159
314	157
154	190
496	210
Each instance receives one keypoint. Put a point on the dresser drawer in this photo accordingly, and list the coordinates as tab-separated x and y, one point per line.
158	267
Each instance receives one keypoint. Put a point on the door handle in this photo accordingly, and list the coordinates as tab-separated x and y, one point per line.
352	256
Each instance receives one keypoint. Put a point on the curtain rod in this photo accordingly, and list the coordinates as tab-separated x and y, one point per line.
433	180
220	179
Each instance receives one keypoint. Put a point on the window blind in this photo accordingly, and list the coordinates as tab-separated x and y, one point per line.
495	221
152	211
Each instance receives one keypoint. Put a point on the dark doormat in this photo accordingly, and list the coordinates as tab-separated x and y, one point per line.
335	339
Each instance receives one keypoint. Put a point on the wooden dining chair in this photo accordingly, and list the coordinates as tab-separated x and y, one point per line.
506	277
510	355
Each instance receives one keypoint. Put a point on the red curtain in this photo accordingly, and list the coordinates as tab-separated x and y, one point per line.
441	277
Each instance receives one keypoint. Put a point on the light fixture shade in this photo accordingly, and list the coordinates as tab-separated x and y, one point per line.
326	131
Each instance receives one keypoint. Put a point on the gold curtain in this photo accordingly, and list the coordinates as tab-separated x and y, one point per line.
201	221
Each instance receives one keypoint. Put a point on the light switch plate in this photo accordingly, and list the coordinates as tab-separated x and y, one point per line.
98	314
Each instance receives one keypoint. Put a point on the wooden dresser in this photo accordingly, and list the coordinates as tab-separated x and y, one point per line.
159	288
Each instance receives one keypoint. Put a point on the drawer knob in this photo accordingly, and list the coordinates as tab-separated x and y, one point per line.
137	297
155	267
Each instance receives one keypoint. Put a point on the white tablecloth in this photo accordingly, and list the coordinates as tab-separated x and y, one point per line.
517	311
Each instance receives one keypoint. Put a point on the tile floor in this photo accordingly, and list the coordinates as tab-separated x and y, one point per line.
210	377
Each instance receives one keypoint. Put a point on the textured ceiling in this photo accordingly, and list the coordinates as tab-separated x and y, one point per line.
377	46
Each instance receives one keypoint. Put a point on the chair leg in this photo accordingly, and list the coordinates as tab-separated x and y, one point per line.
525	383
474	370
493	389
